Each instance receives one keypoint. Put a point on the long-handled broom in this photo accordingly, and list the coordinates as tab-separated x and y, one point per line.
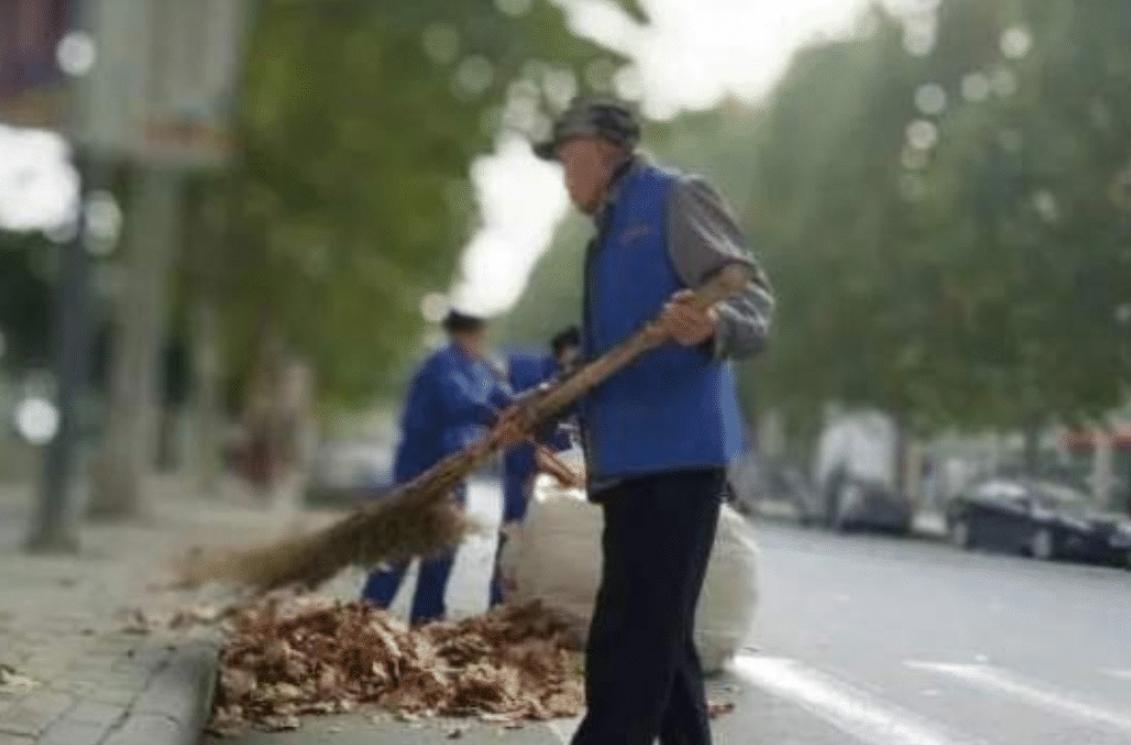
418	519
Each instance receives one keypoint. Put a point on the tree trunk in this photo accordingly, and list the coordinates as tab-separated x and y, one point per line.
207	410
139	324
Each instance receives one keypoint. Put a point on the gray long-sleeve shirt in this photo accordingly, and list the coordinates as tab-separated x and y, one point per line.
704	237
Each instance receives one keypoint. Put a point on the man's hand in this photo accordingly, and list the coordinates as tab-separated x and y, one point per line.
511	427
688	325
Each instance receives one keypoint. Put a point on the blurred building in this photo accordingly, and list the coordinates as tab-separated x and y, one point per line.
31	81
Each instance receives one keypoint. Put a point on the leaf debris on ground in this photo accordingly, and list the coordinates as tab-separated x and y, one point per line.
286	658
12	681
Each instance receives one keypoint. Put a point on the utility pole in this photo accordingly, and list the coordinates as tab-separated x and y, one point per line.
54	525
54	528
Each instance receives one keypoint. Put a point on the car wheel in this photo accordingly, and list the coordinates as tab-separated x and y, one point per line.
961	534
1043	545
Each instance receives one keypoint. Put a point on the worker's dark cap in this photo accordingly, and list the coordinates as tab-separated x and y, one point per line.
569	337
592	117
456	322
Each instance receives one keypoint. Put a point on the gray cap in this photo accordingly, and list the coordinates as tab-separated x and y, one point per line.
592	117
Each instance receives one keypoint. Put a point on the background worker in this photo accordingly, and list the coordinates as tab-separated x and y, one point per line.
452	397
659	434
525	372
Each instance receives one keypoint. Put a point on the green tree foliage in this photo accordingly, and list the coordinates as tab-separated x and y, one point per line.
350	200
946	224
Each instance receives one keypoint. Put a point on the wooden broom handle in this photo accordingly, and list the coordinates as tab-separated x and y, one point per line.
436	482
729	281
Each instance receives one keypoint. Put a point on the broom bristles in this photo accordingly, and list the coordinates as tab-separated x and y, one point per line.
386	533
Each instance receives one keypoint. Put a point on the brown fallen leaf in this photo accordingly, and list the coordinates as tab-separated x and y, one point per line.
716	709
281	722
197	615
12	681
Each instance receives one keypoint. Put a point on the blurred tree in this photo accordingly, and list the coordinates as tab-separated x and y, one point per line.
351	198
552	299
943	202
26	277
1024	205
941	222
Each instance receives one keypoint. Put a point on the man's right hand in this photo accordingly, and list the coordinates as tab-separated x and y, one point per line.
511	428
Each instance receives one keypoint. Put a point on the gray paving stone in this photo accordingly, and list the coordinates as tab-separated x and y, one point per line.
134	680
113	696
66	731
149	657
114	646
178	689
95	712
32	714
93	660
147	729
6	739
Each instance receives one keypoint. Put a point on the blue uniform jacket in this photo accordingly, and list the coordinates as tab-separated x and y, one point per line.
451	399
525	371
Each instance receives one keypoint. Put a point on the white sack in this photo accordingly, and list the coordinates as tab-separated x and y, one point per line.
556	558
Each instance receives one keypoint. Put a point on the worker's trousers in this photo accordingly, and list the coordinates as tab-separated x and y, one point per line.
431	583
642	674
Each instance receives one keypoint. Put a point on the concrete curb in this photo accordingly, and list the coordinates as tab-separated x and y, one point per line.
174	708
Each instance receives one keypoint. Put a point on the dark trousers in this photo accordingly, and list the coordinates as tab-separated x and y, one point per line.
516	491
431	583
642	673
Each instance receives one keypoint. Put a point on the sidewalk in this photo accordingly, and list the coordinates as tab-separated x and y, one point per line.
72	670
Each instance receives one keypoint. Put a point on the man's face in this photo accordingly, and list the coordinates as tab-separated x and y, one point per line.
567	356
588	164
474	343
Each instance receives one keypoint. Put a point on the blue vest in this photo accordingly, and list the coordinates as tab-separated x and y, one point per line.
675	408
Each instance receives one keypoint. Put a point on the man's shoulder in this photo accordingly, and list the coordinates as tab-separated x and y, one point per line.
440	360
678	185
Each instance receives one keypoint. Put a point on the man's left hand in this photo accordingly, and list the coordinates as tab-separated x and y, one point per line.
687	324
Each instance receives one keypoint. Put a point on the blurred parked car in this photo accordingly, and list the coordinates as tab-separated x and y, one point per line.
1044	520
348	472
855	477
774	489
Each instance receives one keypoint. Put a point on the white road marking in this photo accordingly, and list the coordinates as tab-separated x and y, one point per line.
563	729
1035	694
842	705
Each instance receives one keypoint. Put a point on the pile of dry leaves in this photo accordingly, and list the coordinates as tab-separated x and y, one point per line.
286	658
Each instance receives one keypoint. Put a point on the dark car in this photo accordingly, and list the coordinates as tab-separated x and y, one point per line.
848	503
1044	520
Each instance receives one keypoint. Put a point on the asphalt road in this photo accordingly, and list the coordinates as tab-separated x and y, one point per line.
887	641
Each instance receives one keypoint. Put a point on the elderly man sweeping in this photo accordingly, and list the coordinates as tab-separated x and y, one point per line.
658	435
